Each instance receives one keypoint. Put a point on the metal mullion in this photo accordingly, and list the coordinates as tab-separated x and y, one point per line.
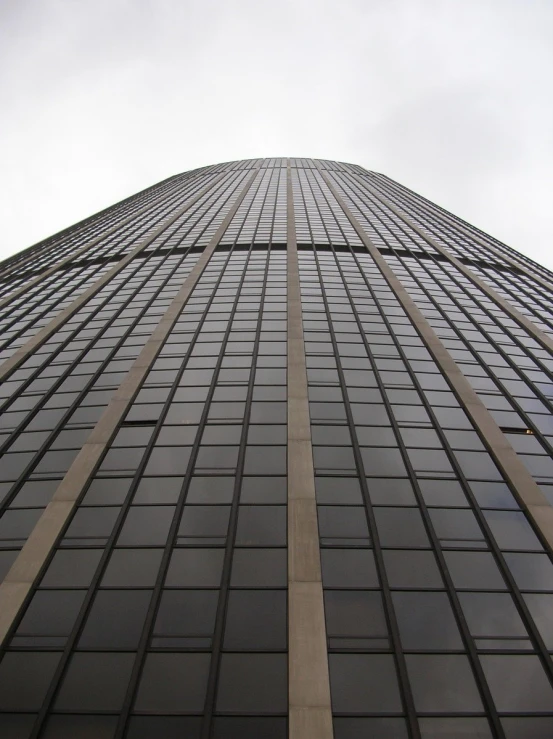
72	231
498	348
498	248
398	224
494	548
276	175
186	188
220	619
537	333
93	222
59	427
82	393
88	247
383	268
521	280
81	327
486	311
52	286
55	289
62	346
449	219
468	641
492	341
30	562
268	173
214	207
48	285
271	171
141	652
509	289
24	281
49	330
399	657
261	174
536	530
169	547
107	550
497	322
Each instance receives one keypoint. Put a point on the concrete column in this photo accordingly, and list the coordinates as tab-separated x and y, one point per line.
529	494
44	334
33	556
310	712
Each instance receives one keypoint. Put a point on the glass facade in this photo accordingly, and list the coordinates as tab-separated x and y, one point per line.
276	461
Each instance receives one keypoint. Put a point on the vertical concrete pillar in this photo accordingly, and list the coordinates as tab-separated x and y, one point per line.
309	686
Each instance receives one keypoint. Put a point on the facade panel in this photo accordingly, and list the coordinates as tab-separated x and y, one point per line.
276	460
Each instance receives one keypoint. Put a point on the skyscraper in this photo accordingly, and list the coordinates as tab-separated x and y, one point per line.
277	460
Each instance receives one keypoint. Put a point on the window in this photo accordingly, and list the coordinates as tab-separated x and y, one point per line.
173	683
443	683
363	683
253	683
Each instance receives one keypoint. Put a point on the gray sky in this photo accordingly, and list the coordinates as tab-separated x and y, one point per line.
102	98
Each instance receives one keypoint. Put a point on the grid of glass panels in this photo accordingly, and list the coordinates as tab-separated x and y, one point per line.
529	297
162	610
173	568
460	227
510	371
421	540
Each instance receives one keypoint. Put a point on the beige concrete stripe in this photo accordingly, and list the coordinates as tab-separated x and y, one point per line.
530	496
502	256
72	257
516	315
45	333
310	712
42	539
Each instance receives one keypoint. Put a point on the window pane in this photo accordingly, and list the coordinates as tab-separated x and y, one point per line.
412	569
517	683
173	683
168	727
115	620
253	568
354	613
132	567
443	683
24	679
252	727
474	570
195	567
84	727
362	728
256	619
349	568
363	683
95	682
253	683
186	613
426	621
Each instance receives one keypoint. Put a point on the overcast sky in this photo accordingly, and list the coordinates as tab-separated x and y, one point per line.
102	98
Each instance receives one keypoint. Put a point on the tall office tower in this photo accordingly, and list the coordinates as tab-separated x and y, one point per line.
277	461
